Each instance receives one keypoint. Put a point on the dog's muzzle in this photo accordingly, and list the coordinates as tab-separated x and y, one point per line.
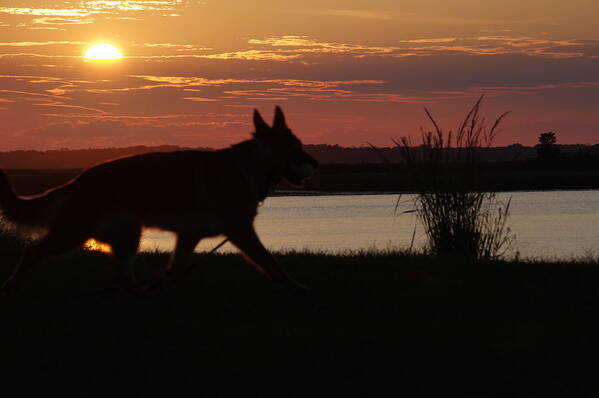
303	170
300	173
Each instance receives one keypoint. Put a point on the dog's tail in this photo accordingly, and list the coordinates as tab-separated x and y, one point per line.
22	213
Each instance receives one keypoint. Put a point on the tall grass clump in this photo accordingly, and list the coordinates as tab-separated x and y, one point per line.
458	218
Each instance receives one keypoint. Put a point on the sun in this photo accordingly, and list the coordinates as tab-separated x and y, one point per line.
102	52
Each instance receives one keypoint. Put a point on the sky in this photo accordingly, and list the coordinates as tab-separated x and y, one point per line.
345	72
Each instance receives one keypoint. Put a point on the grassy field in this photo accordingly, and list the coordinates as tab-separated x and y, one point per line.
373	325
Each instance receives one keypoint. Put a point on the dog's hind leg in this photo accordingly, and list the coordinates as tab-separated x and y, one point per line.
248	242
57	241
124	242
180	259
32	256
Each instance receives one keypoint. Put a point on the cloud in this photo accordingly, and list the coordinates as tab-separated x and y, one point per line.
62	12
505	90
200	99
435	40
305	46
199	81
60	20
33	55
304	49
230	87
363	14
58	104
177	47
253	55
359	14
86	8
302	46
424	17
89	134
114	133
27	94
42	43
87	11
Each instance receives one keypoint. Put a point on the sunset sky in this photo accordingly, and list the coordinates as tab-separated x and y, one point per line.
345	72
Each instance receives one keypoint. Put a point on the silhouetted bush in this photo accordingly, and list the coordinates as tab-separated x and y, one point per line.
458	218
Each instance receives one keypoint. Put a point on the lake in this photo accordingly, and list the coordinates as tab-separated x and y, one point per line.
547	224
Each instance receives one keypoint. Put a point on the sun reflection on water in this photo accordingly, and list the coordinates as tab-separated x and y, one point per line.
94	245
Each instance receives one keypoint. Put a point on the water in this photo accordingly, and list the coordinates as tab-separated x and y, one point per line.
553	224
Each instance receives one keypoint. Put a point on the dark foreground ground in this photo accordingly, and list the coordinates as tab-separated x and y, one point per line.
373	326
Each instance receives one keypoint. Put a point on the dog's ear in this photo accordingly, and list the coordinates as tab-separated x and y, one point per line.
259	123
279	122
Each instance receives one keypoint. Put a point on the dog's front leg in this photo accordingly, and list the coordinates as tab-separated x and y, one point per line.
248	242
179	262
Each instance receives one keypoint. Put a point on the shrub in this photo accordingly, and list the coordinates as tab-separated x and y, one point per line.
458	219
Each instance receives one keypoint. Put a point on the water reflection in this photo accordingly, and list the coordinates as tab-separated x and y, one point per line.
559	224
94	245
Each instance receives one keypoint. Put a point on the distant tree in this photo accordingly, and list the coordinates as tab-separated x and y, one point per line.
547	149
547	138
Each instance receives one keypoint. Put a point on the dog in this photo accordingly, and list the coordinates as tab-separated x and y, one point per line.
195	194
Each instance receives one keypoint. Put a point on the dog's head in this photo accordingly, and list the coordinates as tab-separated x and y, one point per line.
290	161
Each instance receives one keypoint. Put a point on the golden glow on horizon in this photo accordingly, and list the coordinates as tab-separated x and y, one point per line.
102	52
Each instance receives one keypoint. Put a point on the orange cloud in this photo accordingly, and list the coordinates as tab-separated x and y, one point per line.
434	40
519	89
253	55
200	99
301	46
60	20
85	12
177	47
41	43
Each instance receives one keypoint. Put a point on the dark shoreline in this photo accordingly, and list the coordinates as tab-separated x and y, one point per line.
286	193
383	179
